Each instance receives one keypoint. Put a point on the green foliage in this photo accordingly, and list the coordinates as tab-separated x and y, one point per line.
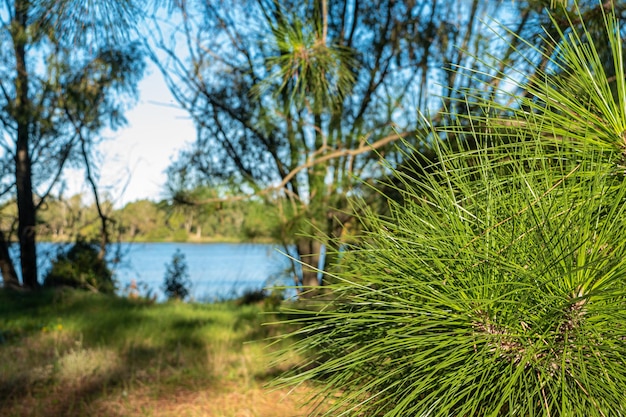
61	220
311	72
80	267
260	221
176	283
498	286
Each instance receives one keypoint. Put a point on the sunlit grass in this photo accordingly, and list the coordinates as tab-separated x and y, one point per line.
73	353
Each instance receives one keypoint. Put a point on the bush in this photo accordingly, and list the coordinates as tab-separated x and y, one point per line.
176	285
498	286
80	267
251	296
271	298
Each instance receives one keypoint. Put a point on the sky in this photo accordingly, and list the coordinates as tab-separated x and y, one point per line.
132	160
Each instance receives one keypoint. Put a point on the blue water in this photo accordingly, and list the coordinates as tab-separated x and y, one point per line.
216	270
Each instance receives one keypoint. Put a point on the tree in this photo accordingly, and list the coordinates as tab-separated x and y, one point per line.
62	83
224	213
293	100
140	219
176	283
497	286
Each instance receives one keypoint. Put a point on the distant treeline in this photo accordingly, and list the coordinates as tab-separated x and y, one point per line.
63	220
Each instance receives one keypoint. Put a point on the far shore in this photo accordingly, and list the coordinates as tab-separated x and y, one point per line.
202	240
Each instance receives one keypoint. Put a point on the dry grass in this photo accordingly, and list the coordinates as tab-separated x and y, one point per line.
231	400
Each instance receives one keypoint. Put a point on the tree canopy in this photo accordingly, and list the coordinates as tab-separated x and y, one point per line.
62	82
293	101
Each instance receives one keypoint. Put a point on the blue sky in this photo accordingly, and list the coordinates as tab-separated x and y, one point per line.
133	159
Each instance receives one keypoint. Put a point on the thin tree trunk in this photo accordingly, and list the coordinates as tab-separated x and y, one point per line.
309	248
104	219
9	276
23	173
309	253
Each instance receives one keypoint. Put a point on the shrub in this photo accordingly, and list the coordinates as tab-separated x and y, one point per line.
271	298
176	284
498	286
80	267
251	296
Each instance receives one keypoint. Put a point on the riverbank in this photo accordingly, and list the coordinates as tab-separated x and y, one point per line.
188	239
73	354
217	271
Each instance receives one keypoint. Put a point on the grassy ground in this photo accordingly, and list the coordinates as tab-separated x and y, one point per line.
79	354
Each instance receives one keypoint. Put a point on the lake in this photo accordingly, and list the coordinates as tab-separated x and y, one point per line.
216	270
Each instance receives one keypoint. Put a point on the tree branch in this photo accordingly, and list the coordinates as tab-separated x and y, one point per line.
363	148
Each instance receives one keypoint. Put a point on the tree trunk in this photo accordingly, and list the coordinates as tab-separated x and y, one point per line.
23	174
26	212
9	276
309	253
309	248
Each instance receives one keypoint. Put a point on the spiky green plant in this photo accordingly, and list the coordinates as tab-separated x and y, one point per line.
311	72
497	287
